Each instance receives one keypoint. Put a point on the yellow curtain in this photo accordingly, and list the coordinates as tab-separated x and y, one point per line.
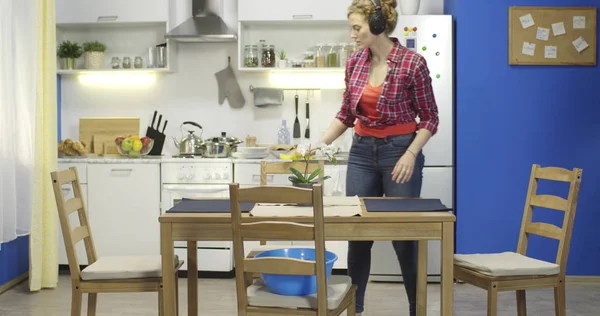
43	244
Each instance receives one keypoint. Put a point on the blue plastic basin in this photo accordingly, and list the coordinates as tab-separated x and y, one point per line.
295	285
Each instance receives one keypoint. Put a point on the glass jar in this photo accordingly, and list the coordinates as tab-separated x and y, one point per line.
332	56
343	55
126	62
308	63
320	56
251	56
138	62
115	63
268	56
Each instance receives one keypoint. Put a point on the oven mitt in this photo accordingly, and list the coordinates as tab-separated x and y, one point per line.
229	88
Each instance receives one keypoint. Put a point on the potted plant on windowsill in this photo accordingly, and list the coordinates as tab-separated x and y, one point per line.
94	55
68	53
306	153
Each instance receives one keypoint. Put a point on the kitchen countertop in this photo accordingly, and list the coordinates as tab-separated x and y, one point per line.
110	159
115	159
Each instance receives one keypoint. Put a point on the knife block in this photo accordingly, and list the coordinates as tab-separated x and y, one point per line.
159	142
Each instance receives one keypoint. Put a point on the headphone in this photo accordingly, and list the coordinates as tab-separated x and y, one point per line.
377	20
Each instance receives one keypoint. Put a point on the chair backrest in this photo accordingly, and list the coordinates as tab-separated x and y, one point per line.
67	207
267	168
568	206
245	228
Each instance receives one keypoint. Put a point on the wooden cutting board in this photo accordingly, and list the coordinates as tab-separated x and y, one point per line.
109	128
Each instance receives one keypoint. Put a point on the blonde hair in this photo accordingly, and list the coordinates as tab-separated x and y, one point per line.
366	8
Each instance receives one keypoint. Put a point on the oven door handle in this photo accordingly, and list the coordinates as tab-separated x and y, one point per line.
195	188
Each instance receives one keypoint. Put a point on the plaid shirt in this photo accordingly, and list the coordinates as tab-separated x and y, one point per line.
406	92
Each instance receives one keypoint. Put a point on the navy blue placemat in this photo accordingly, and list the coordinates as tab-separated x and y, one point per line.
405	205
207	206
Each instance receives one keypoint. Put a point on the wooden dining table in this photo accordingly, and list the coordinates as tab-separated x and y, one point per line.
376	226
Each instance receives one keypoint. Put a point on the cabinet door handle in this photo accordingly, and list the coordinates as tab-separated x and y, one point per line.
107	18
302	16
122	170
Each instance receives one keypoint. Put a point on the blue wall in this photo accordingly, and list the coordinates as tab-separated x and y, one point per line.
14	259
510	117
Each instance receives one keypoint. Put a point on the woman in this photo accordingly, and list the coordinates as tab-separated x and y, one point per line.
387	87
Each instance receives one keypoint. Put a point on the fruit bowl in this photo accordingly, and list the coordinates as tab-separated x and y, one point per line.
134	146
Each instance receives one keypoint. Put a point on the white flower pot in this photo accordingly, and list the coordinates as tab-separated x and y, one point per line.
282	63
93	60
410	7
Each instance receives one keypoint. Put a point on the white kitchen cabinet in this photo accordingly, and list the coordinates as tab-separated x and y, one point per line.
126	201
277	10
107	11
249	174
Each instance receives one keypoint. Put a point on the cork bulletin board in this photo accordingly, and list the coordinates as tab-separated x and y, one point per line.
552	36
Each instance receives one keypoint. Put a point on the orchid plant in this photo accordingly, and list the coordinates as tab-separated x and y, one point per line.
306	153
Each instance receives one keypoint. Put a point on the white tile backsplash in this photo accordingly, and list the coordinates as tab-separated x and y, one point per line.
192	94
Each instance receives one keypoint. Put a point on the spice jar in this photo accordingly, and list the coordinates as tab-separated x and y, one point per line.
268	56
251	56
138	62
332	56
320	56
115	63
126	62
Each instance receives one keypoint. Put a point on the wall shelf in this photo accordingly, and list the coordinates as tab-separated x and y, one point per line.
293	70
112	71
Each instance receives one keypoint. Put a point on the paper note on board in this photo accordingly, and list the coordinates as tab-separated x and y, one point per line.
580	44
579	22
558	28
550	52
528	49
542	34
527	21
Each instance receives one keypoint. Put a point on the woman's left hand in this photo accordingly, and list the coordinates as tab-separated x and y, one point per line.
404	168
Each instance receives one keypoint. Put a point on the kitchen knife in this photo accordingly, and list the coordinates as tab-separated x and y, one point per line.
307	131
153	119
296	121
150	130
158	124
165	126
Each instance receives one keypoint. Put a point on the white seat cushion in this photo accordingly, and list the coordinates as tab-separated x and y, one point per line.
505	264
124	267
337	288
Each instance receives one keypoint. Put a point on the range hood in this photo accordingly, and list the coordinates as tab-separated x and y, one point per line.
205	25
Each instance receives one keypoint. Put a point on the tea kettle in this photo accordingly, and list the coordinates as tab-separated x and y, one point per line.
190	144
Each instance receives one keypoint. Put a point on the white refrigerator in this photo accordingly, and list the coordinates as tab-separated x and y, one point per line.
432	37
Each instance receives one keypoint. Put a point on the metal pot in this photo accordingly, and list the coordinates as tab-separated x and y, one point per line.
191	144
220	147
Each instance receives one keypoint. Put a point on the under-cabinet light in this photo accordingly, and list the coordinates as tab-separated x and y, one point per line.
117	79
308	80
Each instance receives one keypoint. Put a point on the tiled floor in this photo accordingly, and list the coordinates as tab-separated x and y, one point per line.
217	298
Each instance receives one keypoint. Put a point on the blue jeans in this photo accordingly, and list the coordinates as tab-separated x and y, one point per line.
370	166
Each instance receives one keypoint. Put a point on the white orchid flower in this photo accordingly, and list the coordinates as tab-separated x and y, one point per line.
302	149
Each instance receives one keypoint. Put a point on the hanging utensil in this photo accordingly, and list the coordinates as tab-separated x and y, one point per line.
307	131
296	121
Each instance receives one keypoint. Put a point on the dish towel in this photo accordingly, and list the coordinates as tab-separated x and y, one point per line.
264	97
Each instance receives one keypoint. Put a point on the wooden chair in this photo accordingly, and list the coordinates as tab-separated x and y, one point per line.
514	270
271	168
105	274
333	297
